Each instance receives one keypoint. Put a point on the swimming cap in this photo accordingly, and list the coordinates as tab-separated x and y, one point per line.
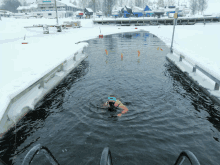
112	98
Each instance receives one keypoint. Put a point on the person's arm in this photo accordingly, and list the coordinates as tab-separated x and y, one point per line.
120	105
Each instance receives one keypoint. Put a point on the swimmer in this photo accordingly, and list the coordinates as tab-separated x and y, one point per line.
113	103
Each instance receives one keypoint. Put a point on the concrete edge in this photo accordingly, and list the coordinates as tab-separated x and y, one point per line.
205	90
19	107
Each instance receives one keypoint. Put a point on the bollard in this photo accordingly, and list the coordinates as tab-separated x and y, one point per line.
216	86
194	69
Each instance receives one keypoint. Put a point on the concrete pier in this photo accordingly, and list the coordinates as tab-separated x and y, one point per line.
27	99
205	80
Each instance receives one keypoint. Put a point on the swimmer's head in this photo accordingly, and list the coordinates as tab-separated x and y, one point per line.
111	101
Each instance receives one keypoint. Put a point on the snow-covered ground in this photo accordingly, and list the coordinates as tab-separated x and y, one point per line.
21	65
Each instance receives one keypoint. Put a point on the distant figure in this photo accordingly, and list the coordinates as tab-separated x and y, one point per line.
113	103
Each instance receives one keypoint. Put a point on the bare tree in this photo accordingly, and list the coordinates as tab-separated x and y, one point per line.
145	2
138	3
193	6
10	5
171	2
83	3
107	7
74	3
202	5
160	3
93	4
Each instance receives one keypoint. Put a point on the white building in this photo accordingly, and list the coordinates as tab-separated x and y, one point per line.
46	8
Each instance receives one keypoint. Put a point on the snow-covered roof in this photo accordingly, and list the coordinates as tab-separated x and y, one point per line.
99	12
137	9
69	4
77	12
27	7
89	9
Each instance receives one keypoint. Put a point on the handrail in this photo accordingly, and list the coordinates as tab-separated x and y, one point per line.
106	158
30	155
217	81
192	158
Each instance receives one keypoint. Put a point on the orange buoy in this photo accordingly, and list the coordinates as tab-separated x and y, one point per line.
106	51
135	28
121	56
139	53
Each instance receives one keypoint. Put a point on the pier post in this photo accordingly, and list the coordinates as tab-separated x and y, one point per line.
216	86
174	23
194	69
41	84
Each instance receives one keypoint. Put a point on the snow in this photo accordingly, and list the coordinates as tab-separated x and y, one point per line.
69	4
89	10
22	65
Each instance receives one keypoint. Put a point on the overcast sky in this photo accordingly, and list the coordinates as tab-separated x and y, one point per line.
213	5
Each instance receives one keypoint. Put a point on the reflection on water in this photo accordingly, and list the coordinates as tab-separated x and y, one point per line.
167	113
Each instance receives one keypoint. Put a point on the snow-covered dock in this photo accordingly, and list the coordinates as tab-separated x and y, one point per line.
49	57
156	21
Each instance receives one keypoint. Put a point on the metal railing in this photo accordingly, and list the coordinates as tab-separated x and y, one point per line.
217	81
106	158
187	154
30	155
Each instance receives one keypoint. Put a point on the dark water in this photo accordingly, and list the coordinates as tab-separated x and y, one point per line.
167	113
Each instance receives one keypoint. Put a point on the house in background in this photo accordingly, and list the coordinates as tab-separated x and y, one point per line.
46	8
88	12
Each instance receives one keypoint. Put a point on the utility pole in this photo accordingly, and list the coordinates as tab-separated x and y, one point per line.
56	11
174	23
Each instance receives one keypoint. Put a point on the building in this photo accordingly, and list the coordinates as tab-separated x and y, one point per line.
88	12
46	8
5	13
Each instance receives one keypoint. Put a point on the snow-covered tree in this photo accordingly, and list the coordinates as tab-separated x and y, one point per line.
83	3
202	5
107	6
193	6
74	2
160	3
170	2
138	3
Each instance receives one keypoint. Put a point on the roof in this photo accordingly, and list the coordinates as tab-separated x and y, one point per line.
77	12
137	9
89	9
